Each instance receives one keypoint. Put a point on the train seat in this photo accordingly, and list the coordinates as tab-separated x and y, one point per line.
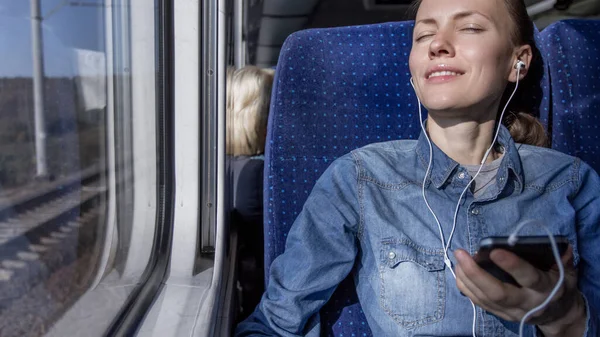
337	89
571	49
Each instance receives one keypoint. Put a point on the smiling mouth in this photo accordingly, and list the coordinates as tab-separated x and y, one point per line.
443	73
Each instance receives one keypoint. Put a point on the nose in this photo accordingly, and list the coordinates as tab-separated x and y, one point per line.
441	46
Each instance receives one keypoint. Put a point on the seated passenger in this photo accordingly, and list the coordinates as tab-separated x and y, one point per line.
405	217
248	98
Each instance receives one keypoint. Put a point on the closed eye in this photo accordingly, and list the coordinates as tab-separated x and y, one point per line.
423	37
472	29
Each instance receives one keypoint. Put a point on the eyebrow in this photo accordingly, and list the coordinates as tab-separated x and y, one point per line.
457	16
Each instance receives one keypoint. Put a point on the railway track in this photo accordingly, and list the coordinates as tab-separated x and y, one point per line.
45	230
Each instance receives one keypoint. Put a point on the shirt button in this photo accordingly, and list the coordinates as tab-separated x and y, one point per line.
461	175
475	211
391	255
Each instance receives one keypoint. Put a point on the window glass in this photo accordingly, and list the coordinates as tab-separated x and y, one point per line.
544	14
77	161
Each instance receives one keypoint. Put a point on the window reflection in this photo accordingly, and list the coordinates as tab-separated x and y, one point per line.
66	163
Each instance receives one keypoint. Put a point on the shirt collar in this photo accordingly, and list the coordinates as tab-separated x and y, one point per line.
443	167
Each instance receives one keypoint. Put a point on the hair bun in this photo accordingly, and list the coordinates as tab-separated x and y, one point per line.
526	129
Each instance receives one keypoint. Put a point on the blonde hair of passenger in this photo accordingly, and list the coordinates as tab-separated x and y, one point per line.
248	100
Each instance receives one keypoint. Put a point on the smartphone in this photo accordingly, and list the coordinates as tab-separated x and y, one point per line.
536	250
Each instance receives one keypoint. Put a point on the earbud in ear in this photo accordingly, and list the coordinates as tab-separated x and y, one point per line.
520	65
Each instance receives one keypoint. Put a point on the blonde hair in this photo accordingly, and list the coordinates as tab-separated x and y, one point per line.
248	100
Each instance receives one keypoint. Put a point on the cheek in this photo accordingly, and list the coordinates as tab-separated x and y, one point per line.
418	57
488	64
412	64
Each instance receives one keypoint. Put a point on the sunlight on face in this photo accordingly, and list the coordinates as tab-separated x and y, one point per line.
462	53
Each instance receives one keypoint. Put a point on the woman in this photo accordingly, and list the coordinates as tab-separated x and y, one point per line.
248	97
407	226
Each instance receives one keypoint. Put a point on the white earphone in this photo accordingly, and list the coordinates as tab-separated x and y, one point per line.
520	65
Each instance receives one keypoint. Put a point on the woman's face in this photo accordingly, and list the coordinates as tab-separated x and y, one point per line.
462	54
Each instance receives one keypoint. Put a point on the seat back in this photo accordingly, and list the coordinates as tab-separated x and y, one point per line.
335	90
571	49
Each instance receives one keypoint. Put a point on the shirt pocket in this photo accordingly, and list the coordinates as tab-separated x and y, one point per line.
413	283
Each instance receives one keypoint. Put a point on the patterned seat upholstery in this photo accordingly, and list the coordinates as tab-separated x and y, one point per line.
572	50
335	90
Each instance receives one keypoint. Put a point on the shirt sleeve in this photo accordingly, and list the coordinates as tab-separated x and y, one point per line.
587	206
320	251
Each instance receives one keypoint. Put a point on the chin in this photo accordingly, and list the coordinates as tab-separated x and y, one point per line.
442	104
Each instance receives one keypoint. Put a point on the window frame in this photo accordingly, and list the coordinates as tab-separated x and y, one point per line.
119	298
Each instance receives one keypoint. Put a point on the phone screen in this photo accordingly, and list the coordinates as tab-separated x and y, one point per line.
536	250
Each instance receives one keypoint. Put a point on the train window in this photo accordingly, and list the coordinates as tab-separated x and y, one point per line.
132	159
78	161
545	12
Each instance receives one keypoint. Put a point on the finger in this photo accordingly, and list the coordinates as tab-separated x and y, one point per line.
567	258
569	267
467	288
482	301
523	272
486	287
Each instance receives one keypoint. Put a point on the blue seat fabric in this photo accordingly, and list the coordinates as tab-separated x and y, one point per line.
572	50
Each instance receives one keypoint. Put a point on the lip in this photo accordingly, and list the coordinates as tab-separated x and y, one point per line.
445	78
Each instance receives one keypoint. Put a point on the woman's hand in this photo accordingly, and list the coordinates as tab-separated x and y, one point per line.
564	316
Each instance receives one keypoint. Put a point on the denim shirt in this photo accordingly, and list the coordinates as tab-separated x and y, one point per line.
366	216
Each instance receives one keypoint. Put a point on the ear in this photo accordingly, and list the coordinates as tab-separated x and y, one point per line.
524	54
